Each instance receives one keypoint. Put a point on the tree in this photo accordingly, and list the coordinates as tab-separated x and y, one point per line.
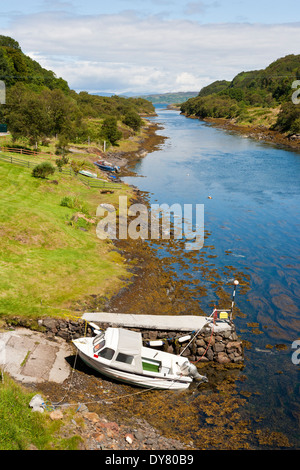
62	145
61	111
26	115
35	115
288	119
133	120
7	41
110	130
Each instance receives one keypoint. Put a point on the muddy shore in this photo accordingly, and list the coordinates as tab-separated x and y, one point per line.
262	133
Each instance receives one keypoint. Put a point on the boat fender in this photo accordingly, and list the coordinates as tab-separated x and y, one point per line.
156	343
184	338
95	328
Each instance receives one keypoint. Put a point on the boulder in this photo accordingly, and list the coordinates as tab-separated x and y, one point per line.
222	358
56	415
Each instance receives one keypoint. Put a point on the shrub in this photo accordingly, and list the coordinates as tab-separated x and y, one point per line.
60	162
42	170
77	165
73	202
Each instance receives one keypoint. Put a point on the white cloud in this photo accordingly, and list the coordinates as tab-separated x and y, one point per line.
125	52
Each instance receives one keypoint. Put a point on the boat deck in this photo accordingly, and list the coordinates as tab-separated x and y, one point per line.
157	322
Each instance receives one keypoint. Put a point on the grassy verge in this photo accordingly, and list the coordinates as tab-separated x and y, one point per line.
22	429
48	262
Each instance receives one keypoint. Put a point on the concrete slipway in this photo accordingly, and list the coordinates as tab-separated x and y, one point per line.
29	357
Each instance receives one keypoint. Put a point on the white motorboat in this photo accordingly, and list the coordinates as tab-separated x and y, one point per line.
119	353
88	173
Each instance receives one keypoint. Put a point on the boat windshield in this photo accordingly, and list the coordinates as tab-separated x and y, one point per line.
107	353
99	343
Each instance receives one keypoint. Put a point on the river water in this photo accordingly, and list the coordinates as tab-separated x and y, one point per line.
251	196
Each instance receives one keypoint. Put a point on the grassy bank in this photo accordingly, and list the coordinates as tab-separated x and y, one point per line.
50	262
21	429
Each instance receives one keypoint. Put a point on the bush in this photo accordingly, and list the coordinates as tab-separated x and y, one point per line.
73	202
60	162
42	170
77	165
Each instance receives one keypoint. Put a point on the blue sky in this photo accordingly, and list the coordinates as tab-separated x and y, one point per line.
254	11
152	45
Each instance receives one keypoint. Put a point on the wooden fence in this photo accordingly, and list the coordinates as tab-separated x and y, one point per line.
90	182
22	151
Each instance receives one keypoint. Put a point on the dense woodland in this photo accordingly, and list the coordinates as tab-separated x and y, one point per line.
40	106
270	88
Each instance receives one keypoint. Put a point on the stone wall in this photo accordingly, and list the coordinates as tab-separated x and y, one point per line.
221	346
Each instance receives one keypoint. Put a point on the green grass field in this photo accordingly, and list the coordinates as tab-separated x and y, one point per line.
48	263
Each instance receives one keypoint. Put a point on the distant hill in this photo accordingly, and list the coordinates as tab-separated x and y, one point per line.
170	98
262	97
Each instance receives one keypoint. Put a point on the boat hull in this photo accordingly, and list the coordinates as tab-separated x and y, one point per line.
107	167
140	380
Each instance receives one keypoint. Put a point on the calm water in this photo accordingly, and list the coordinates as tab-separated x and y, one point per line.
253	222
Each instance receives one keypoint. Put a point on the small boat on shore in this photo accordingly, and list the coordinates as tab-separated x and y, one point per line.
119	353
88	173
106	166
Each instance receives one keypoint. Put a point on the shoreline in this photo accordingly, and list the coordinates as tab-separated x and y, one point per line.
261	133
127	159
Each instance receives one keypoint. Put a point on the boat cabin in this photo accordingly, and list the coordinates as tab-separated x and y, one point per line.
123	349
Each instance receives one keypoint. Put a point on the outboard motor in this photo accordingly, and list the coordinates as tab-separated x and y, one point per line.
191	370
